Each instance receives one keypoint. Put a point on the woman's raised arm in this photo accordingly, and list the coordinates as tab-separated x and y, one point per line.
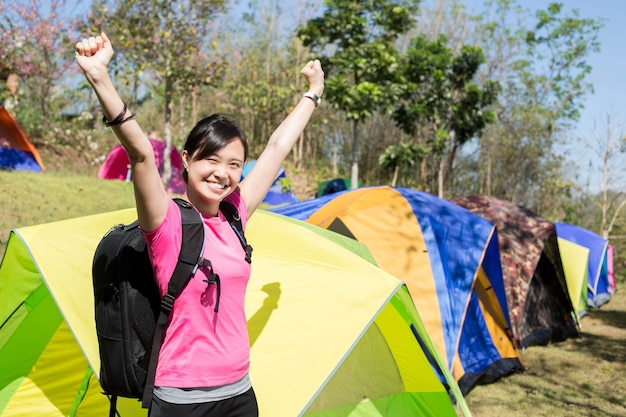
93	56
257	183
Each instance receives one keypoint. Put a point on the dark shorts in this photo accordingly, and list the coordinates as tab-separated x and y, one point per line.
243	405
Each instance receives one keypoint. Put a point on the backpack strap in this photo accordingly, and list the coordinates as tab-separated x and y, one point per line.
232	215
190	255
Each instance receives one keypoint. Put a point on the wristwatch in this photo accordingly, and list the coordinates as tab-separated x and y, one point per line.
316	99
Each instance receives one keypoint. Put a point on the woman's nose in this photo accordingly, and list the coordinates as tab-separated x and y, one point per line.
220	170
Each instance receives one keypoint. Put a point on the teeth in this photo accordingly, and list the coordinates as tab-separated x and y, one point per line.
217	185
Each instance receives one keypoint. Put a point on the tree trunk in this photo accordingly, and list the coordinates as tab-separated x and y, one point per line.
489	173
167	152
440	177
355	156
335	160
424	175
448	171
396	170
194	109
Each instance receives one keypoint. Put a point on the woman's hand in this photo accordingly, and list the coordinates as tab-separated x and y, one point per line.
94	53
314	76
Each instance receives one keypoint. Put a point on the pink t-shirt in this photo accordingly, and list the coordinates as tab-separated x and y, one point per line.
203	348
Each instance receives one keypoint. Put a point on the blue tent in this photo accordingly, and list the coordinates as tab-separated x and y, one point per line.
276	196
449	259
598	285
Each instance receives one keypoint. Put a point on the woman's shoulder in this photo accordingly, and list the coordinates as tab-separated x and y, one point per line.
171	220
239	203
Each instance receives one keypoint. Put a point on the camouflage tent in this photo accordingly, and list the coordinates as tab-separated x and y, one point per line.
539	305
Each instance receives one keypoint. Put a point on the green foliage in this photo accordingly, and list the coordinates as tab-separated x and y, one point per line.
355	42
405	154
562	43
438	93
286	184
438	90
543	73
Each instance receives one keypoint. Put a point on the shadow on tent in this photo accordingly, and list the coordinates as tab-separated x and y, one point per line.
448	258
331	333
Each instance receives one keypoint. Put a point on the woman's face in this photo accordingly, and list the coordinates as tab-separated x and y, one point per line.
218	175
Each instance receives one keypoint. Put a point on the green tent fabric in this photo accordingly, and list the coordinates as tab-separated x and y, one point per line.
335	185
323	343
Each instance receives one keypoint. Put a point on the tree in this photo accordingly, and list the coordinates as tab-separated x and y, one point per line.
39	60
438	91
609	143
406	154
354	40
542	69
264	80
171	39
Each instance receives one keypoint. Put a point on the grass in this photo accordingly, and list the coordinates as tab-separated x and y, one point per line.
30	198
578	377
581	377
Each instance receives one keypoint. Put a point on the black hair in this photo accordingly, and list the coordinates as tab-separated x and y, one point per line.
210	135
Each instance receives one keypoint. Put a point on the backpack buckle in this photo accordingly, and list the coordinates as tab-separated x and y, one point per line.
167	303
249	254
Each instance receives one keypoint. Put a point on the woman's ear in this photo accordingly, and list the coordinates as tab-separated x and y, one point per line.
185	157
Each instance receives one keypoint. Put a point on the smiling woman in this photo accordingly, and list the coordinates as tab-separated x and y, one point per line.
213	158
214	154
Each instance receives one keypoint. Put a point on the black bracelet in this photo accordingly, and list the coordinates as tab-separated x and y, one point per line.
120	117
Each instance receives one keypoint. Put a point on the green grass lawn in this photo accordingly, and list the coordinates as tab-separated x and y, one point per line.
30	198
582	377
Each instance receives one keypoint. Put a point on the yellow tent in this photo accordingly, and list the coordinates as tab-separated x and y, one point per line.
575	260
331	333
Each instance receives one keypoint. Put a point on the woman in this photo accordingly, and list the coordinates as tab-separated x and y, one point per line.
204	360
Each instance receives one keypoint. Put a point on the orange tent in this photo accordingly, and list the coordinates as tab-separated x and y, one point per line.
16	151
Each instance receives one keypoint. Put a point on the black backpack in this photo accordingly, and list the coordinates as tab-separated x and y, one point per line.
130	315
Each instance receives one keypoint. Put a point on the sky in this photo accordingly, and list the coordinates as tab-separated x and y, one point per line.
608	76
609	65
